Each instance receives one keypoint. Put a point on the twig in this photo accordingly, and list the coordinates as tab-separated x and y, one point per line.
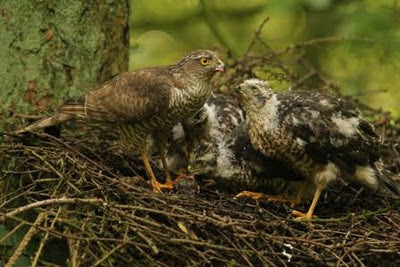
237	249
117	247
6	236
257	37
27	116
44	239
24	242
47	202
47	164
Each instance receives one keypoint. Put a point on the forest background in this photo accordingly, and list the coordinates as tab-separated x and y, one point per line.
361	55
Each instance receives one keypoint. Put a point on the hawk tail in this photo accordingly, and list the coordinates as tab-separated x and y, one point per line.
71	109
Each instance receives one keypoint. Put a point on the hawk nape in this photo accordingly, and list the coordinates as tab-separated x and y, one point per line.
145	102
321	137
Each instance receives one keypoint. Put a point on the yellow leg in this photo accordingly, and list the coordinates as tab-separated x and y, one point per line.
308	216
154	183
257	195
252	195
299	195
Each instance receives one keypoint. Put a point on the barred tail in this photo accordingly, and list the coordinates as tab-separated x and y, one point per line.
70	110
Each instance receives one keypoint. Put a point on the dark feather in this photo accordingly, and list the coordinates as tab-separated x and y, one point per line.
311	117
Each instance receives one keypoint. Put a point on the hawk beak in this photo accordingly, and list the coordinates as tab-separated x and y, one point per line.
220	67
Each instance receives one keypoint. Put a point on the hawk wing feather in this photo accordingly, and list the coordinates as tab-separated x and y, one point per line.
330	128
131	97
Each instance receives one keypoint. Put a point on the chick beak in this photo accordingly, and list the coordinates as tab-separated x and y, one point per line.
220	67
237	89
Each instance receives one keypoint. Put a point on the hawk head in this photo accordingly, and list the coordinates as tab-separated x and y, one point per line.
202	63
254	93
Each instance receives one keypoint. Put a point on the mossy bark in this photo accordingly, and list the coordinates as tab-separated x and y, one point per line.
51	50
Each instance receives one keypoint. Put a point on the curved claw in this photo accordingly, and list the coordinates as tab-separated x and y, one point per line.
302	217
158	187
309	215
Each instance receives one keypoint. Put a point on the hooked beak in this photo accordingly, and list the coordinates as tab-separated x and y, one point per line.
221	66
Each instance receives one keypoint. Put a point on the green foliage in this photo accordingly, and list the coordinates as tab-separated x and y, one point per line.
365	64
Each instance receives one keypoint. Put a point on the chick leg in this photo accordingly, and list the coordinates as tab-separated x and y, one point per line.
308	216
257	195
299	195
169	184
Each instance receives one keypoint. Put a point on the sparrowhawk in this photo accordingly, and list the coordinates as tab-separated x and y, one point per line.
145	102
322	138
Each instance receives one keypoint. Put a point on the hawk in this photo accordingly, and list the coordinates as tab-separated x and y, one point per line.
145	103
322	138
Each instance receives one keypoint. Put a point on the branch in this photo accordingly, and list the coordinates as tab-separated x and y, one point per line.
47	202
257	36
25	241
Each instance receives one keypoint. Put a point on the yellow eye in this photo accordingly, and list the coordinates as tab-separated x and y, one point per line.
205	61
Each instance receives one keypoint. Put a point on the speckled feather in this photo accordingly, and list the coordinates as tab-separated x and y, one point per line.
224	153
323	128
321	137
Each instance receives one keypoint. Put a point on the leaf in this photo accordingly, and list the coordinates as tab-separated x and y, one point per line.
187	231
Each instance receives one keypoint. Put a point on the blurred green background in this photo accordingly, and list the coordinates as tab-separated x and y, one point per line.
163	30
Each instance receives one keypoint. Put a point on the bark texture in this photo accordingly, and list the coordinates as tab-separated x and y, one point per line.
52	50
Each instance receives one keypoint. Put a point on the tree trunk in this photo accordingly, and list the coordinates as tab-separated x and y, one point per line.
51	50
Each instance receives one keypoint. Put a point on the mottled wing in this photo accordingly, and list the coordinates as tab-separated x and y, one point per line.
329	129
131	96
229	115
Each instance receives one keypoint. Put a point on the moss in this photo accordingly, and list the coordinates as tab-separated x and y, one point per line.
52	50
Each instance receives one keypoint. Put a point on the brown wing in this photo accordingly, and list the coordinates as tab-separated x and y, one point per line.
131	96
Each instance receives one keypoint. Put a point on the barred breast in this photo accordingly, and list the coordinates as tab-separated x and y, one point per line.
183	104
281	146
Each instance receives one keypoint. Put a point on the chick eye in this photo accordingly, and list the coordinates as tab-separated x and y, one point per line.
205	61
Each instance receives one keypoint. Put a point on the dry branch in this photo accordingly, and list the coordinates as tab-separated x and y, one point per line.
47	202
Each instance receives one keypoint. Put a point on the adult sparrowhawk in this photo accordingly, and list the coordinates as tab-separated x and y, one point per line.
145	102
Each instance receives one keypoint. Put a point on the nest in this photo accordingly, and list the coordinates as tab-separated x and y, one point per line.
73	194
79	200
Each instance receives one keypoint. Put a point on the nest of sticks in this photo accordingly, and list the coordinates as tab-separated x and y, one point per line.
80	200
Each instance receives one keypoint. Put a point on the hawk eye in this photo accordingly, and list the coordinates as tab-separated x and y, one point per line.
205	61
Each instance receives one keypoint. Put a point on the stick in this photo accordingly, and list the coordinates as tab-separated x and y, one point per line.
47	202
24	242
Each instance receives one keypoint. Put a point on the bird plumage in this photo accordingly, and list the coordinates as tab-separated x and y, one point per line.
222	150
145	102
322	138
